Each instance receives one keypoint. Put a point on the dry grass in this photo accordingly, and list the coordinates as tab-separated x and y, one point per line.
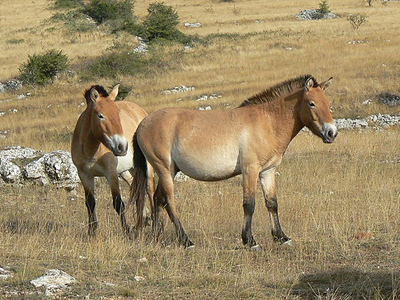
339	203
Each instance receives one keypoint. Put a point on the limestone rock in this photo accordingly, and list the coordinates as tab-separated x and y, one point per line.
53	280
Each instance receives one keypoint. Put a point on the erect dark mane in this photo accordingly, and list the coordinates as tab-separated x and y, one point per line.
278	90
99	88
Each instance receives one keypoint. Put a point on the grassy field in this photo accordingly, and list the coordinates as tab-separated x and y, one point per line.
339	203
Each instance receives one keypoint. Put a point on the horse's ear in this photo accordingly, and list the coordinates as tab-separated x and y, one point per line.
309	84
114	92
94	94
324	85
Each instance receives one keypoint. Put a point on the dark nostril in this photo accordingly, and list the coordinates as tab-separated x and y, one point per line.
331	134
120	147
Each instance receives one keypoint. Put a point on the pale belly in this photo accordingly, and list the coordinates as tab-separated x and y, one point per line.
208	166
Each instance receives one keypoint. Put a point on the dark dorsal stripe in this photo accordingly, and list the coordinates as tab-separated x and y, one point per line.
279	90
99	88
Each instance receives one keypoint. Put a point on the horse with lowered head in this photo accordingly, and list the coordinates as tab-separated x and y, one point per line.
100	147
215	145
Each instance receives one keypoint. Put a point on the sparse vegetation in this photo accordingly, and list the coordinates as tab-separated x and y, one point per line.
65	4
42	69
75	21
324	7
357	20
15	41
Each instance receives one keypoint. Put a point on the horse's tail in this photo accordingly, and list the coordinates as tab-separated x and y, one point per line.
139	184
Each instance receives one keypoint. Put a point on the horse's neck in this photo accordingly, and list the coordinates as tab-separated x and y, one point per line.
89	142
286	120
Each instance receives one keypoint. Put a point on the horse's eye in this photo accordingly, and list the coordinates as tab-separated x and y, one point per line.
100	116
312	104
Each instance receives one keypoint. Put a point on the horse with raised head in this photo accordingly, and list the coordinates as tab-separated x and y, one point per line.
100	147
215	145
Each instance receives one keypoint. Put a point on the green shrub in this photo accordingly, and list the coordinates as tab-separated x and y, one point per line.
161	22
42	69
122	62
110	10
324	7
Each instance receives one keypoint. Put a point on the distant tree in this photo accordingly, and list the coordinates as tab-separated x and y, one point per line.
161	22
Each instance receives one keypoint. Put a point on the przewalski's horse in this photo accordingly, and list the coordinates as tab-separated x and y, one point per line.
101	147
215	145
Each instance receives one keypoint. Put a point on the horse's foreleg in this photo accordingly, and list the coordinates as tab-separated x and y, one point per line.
268	184
91	205
249	190
90	201
118	204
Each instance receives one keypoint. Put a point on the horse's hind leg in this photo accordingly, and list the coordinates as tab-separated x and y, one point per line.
160	202
166	186
268	185
118	204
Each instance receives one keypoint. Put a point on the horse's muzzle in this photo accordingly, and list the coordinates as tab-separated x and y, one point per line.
118	145
329	133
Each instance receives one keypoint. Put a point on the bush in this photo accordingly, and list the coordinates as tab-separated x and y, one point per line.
110	10
126	63
161	22
324	7
42	69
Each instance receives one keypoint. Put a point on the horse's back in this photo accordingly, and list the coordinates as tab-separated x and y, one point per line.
131	115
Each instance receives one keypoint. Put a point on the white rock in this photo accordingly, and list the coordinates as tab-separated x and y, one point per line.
208	107
195	25
181	177
18	152
4	274
138	278
53	280
9	172
35	172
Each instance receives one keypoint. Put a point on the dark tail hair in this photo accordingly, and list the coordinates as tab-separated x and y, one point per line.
139	184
